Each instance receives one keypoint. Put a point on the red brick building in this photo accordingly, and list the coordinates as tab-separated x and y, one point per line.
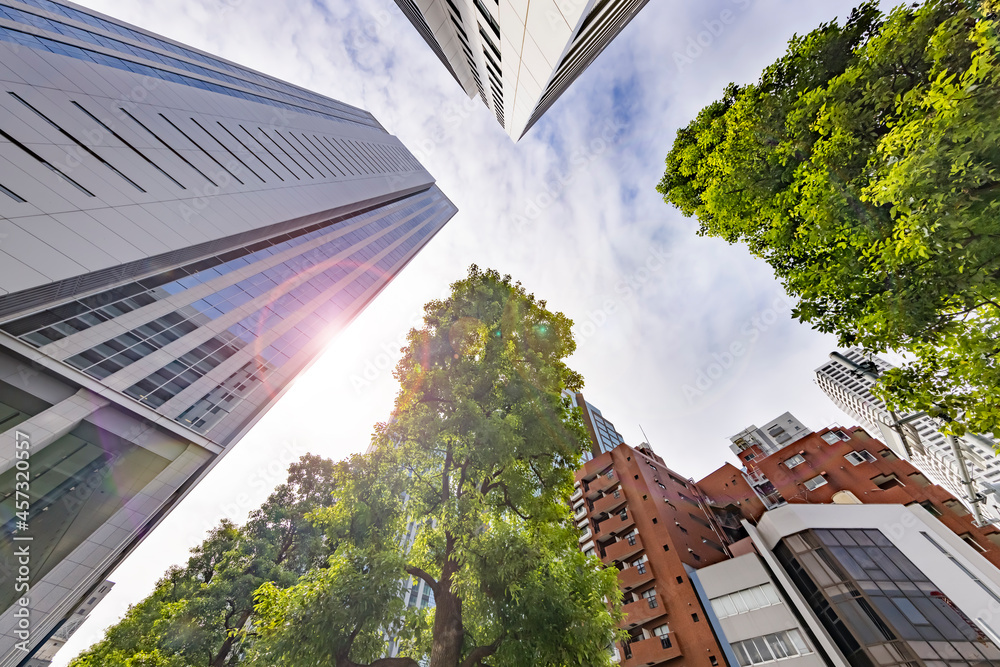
649	522
840	465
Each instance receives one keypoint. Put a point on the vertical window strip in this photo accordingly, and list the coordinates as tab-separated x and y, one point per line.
387	157
351	157
76	141
357	156
199	147
340	156
378	157
282	149
367	154
226	148
226	130
313	154
328	160
365	149
126	143
268	150
391	158
955	561
13	195
46	164
168	147
307	160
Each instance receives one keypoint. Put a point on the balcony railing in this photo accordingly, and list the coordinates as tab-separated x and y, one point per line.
623	549
650	651
631	577
637	613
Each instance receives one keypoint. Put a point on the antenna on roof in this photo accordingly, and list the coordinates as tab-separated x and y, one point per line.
644	436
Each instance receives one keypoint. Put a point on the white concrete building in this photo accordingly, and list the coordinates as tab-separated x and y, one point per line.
885	585
518	56
179	238
923	446
751	616
774	435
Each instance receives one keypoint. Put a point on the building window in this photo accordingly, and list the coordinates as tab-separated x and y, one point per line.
929	506
777	646
891	604
713	545
967	538
857	458
815	482
650	597
688	500
886	482
965	570
745	600
663	632
796	460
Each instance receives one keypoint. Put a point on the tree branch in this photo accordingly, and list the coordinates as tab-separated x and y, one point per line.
480	653
421	574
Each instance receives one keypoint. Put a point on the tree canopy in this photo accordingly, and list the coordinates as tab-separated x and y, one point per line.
485	446
195	615
862	167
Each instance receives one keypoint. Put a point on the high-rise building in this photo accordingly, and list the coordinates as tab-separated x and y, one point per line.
916	438
518	57
47	651
604	436
179	238
651	524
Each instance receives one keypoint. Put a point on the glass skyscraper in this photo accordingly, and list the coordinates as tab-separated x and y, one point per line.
179	238
518	57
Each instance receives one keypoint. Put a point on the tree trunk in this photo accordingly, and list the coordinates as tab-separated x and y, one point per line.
449	635
227	646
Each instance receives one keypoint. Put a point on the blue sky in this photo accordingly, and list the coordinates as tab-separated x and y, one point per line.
688	336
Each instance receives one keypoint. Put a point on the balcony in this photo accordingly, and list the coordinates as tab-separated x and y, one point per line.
602	484
577	494
594	466
643	611
586	535
609	503
580	513
653	651
631	577
618	525
622	549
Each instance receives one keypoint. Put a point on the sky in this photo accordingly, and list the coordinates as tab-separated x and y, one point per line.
688	337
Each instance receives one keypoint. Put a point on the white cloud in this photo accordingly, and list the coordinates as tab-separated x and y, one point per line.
589	241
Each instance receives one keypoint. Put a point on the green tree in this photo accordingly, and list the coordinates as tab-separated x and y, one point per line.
195	615
862	167
484	448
